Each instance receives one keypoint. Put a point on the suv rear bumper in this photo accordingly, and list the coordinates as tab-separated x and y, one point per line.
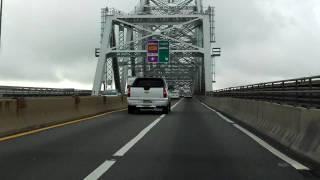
148	103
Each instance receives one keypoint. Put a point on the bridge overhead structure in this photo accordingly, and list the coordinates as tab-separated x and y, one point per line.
185	24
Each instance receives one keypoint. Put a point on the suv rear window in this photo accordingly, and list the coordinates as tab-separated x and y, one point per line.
148	82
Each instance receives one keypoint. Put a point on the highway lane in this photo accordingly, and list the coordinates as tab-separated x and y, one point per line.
192	142
70	152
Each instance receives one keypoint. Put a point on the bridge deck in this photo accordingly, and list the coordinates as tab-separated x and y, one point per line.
190	143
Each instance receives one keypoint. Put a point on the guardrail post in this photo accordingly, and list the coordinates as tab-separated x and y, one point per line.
311	94
283	98
104	98
296	93
76	101
21	103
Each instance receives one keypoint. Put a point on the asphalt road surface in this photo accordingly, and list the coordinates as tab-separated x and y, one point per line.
192	142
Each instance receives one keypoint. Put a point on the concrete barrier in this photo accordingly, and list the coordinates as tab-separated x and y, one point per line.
294	127
31	113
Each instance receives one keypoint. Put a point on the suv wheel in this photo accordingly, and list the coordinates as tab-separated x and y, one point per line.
131	109
166	109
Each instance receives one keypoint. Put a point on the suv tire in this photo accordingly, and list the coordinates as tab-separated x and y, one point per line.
131	109
166	109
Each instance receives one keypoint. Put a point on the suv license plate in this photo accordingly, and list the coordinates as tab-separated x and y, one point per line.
147	101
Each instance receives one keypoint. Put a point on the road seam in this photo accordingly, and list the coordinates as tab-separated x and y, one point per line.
105	166
261	142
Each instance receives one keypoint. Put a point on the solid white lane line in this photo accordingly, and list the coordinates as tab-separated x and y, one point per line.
225	118
219	114
274	151
264	144
133	141
100	170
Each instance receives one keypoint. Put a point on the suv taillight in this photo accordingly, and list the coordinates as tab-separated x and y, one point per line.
129	91
165	93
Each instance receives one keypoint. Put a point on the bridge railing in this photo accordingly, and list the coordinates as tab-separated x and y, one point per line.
303	91
15	91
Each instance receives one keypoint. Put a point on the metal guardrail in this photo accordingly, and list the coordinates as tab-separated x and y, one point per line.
15	91
303	91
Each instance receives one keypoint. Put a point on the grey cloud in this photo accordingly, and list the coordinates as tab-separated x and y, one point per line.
266	40
50	40
54	40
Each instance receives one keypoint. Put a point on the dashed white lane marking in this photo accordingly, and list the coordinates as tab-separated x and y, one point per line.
274	151
176	103
100	170
104	167
264	144
219	114
131	143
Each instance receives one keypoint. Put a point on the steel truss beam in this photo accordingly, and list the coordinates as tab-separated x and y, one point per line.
124	36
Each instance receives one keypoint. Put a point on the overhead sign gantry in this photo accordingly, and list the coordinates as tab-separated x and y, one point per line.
158	51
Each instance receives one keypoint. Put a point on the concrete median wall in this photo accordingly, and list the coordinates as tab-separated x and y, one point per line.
296	128
31	113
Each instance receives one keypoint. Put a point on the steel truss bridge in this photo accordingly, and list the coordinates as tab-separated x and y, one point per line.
186	24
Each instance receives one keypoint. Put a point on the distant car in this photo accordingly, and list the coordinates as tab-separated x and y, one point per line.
181	93
174	94
111	93
187	94
149	93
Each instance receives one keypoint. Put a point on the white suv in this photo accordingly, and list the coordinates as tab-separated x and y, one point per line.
148	93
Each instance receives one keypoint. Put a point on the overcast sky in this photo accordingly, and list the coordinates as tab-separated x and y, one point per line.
51	42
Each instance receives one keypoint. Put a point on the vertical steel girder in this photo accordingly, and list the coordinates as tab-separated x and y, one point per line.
101	69
183	23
